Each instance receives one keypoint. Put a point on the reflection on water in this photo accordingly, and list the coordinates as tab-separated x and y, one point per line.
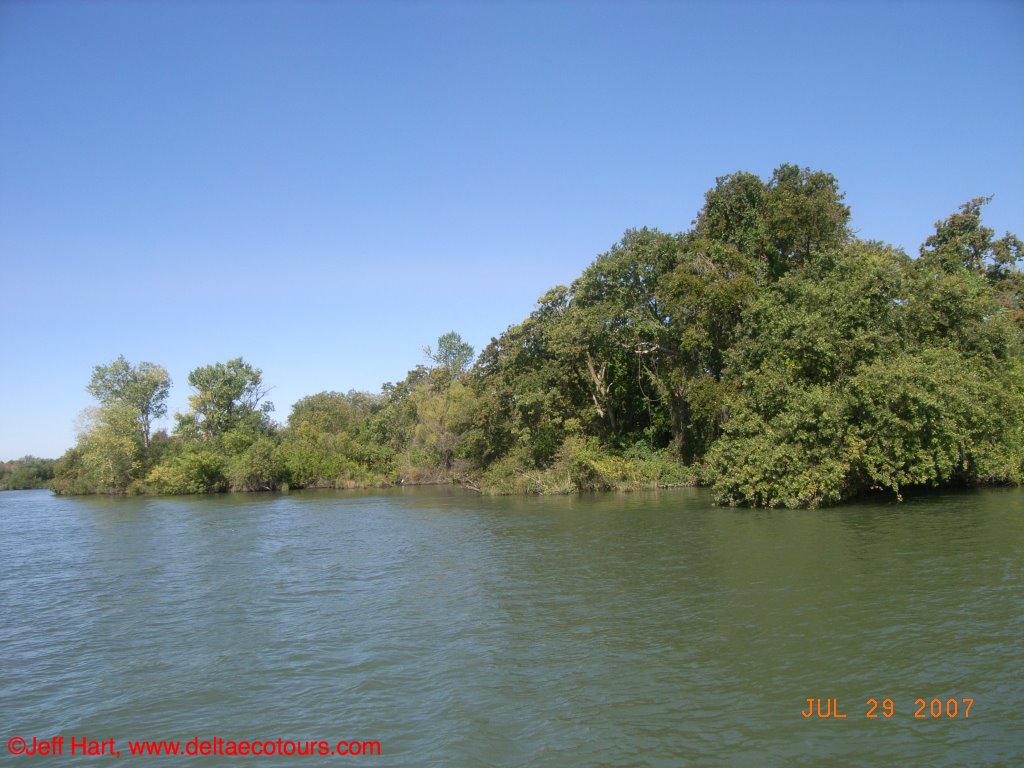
459	630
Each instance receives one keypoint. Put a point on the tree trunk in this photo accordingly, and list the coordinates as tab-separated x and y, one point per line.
679	410
601	393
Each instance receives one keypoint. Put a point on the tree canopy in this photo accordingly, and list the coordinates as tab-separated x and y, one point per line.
225	396
143	388
767	352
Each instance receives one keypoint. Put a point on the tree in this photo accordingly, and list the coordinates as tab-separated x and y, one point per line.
703	299
108	456
227	396
779	224
453	355
766	351
327	443
961	242
26	472
532	382
614	330
143	388
804	216
443	414
113	449
861	371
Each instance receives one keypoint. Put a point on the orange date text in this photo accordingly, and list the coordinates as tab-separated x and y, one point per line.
952	708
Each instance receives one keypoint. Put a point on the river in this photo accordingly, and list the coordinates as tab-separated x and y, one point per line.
647	629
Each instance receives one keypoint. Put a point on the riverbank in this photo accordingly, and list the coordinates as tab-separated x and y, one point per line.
581	468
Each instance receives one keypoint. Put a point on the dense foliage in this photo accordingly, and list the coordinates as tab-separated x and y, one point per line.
26	472
766	352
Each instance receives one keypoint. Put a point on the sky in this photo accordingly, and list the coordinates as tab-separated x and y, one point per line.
324	188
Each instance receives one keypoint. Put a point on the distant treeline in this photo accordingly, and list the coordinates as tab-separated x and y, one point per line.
766	352
26	472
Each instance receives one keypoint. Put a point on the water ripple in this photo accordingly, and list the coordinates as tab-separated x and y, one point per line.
636	630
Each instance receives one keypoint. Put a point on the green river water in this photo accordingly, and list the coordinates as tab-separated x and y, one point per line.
648	629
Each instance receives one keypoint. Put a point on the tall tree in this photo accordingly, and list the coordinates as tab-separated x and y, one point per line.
142	388
453	355
443	403
861	371
780	224
226	396
962	242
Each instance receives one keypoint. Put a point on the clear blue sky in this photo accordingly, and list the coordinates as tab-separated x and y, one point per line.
324	188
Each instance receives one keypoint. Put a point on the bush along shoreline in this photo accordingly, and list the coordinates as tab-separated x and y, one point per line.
766	352
26	473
